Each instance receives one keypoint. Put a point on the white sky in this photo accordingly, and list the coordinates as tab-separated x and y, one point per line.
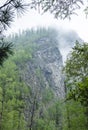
34	19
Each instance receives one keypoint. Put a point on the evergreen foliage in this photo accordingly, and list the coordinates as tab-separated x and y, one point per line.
11	99
5	50
25	106
60	8
8	10
77	73
76	70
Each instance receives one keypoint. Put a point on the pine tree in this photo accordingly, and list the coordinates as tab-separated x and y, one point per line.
7	14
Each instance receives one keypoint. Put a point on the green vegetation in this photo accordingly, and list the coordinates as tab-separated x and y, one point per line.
77	73
25	106
8	9
11	100
76	70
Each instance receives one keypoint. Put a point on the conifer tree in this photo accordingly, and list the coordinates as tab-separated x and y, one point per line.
7	13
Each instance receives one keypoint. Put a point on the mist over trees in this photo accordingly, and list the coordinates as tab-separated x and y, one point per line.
27	107
23	104
60	8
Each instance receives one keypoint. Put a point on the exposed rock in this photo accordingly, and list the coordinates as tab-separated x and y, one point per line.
45	68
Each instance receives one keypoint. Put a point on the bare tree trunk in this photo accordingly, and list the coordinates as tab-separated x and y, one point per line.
68	119
33	112
2	108
86	115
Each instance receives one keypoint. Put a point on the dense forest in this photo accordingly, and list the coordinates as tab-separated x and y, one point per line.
28	91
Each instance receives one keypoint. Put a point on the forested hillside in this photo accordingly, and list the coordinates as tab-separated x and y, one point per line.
32	88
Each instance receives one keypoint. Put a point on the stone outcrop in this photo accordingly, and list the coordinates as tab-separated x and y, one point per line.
45	68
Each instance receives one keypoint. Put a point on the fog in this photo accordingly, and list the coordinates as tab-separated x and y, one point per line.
67	39
33	19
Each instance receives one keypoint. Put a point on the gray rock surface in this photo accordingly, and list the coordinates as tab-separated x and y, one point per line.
45	68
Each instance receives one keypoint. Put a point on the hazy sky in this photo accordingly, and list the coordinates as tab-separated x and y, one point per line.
34	19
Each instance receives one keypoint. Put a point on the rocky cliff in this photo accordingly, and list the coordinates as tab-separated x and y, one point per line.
44	70
40	82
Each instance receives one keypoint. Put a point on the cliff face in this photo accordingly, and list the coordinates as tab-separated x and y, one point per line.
45	68
50	63
39	63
